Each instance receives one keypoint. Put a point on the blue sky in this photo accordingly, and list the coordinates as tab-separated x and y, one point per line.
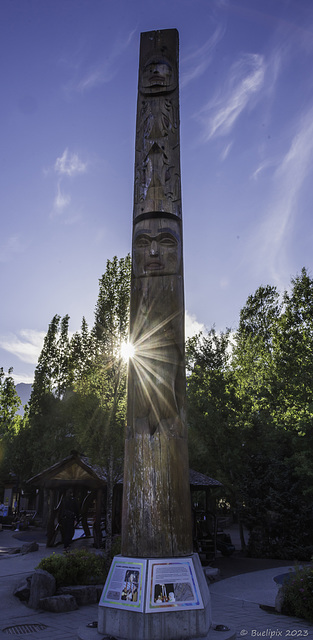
67	123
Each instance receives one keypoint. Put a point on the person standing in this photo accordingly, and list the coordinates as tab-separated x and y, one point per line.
68	518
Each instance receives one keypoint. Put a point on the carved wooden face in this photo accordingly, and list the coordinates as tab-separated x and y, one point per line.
157	247
157	76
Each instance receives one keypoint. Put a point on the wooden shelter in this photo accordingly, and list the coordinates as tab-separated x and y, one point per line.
73	472
200	482
77	473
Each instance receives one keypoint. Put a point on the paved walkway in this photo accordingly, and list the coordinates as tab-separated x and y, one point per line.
235	603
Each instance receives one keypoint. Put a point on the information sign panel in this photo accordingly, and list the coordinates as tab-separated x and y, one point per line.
172	585
125	584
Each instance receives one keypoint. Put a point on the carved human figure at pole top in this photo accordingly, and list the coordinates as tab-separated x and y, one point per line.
157	163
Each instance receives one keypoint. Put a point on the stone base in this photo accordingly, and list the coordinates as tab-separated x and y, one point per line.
172	599
85	633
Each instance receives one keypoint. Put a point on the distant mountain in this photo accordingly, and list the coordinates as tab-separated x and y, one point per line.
24	391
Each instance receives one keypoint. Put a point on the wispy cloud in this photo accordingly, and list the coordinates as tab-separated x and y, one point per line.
26	345
288	181
69	164
61	201
226	151
195	64
26	378
105	70
245	81
263	166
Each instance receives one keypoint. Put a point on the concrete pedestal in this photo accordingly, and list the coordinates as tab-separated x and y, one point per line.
149	599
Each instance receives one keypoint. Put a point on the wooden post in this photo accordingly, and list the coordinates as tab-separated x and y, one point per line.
97	524
156	500
51	534
157	566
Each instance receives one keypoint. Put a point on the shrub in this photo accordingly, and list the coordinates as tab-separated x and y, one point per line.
298	594
76	567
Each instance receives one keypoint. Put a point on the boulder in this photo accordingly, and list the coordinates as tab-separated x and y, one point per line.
29	547
279	601
22	590
211	573
58	604
83	594
42	586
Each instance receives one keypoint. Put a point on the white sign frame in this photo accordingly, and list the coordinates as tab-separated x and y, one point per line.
172	585
125	584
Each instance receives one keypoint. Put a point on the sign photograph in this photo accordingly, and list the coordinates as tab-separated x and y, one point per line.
125	584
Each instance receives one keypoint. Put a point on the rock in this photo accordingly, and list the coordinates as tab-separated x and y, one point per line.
211	573
29	547
83	594
42	586
22	591
58	604
279	601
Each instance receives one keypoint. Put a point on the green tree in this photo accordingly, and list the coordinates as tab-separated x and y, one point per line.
294	364
250	416
9	402
207	360
112	308
294	357
83	349
10	424
101	391
48	424
79	393
215	442
252	357
273	399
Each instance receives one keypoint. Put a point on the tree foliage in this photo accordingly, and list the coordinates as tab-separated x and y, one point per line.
78	396
250	416
10	425
78	399
9	403
250	406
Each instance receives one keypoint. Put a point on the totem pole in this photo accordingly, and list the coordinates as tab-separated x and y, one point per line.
156	506
156	589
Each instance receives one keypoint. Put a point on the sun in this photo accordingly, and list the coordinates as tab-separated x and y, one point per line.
127	350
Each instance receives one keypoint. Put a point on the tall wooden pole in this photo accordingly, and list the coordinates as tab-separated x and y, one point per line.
156	588
156	497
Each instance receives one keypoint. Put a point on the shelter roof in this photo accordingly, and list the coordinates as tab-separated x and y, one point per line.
76	469
199	480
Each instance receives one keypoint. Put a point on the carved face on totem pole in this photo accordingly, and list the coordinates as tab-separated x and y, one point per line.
158	380
157	247
157	76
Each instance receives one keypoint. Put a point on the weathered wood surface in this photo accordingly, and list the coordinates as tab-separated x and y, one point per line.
156	507
157	155
156	497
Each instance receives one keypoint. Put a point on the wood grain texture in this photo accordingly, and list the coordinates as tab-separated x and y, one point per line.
156	498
